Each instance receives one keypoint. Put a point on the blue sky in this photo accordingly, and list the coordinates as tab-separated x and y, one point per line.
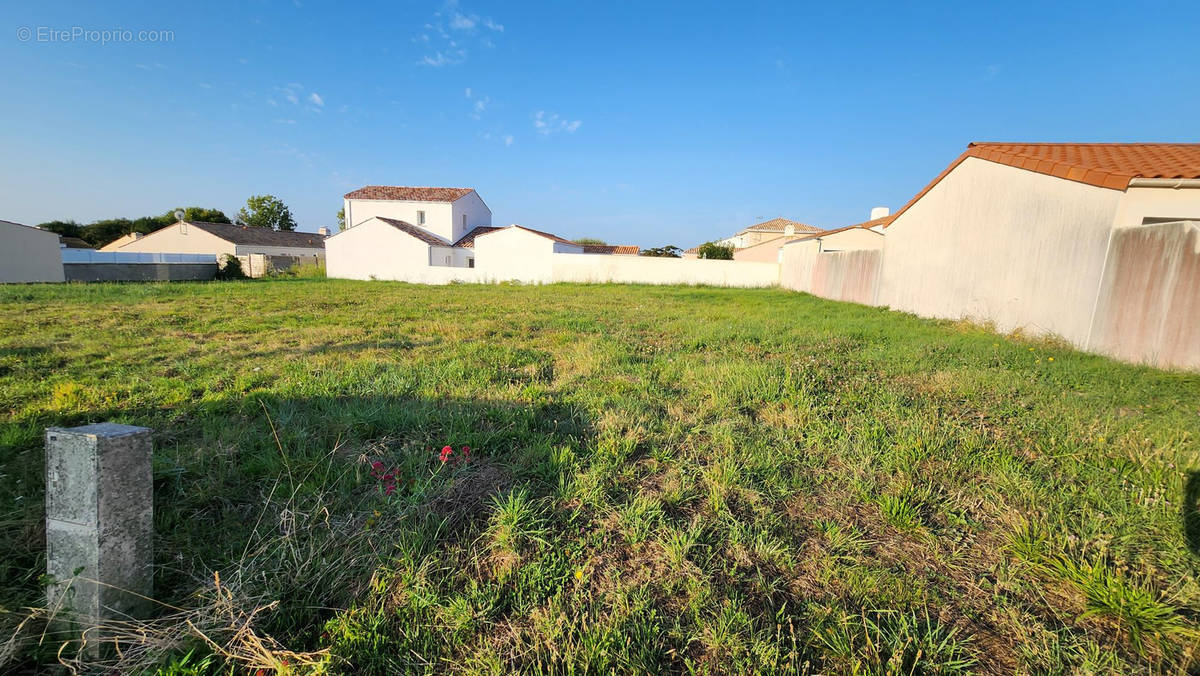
637	123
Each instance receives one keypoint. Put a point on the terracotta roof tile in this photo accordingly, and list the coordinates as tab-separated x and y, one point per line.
617	249
467	241
1105	165
244	234
408	193
779	225
423	235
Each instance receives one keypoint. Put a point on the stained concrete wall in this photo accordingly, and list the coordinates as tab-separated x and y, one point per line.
139	272
1148	309
28	254
838	275
847	275
995	243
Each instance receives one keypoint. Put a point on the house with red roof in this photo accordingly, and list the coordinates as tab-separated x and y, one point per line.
1094	243
437	235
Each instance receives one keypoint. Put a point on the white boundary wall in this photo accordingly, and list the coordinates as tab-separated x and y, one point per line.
601	268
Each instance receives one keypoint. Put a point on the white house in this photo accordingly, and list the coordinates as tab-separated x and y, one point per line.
449	213
443	235
1021	234
521	253
29	254
1095	243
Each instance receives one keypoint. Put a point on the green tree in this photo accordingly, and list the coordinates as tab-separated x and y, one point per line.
64	228
266	211
668	251
200	214
590	241
341	219
714	251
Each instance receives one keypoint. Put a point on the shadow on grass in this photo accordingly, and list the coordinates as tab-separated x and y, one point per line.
220	465
1191	512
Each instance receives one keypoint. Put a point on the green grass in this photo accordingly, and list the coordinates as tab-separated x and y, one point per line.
660	479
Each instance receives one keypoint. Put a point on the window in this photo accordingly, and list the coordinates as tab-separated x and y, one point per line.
470	262
464	221
447	260
420	218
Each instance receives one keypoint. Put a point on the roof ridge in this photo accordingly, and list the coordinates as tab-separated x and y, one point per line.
1083	143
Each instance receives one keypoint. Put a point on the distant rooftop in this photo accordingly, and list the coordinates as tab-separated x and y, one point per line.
408	193
245	234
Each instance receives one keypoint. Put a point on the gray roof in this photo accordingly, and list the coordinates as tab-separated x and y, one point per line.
423	235
244	234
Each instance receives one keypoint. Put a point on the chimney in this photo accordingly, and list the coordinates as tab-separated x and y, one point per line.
880	212
137	236
323	231
789	230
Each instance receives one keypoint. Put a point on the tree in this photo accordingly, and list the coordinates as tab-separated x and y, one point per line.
714	251
266	211
341	219
590	241
668	251
200	214
64	228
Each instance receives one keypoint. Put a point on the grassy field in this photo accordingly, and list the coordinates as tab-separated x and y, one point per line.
659	479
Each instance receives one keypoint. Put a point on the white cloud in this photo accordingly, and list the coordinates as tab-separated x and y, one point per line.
549	123
464	22
316	99
468	92
204	85
452	33
444	58
281	120
508	140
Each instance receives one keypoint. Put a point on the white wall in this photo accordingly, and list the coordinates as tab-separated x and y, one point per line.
796	263
600	268
1158	203
444	219
439	216
996	243
376	250
458	256
854	239
476	212
28	254
514	254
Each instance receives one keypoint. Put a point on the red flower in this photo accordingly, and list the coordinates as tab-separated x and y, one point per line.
466	451
377	465
446	453
391	488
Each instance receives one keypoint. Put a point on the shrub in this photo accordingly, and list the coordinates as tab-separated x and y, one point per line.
714	251
230	267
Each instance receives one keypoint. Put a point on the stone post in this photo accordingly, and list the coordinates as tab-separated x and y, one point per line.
99	521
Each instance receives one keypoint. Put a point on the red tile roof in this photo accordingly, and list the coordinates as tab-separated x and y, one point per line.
780	225
423	235
467	241
1106	165
407	193
619	249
